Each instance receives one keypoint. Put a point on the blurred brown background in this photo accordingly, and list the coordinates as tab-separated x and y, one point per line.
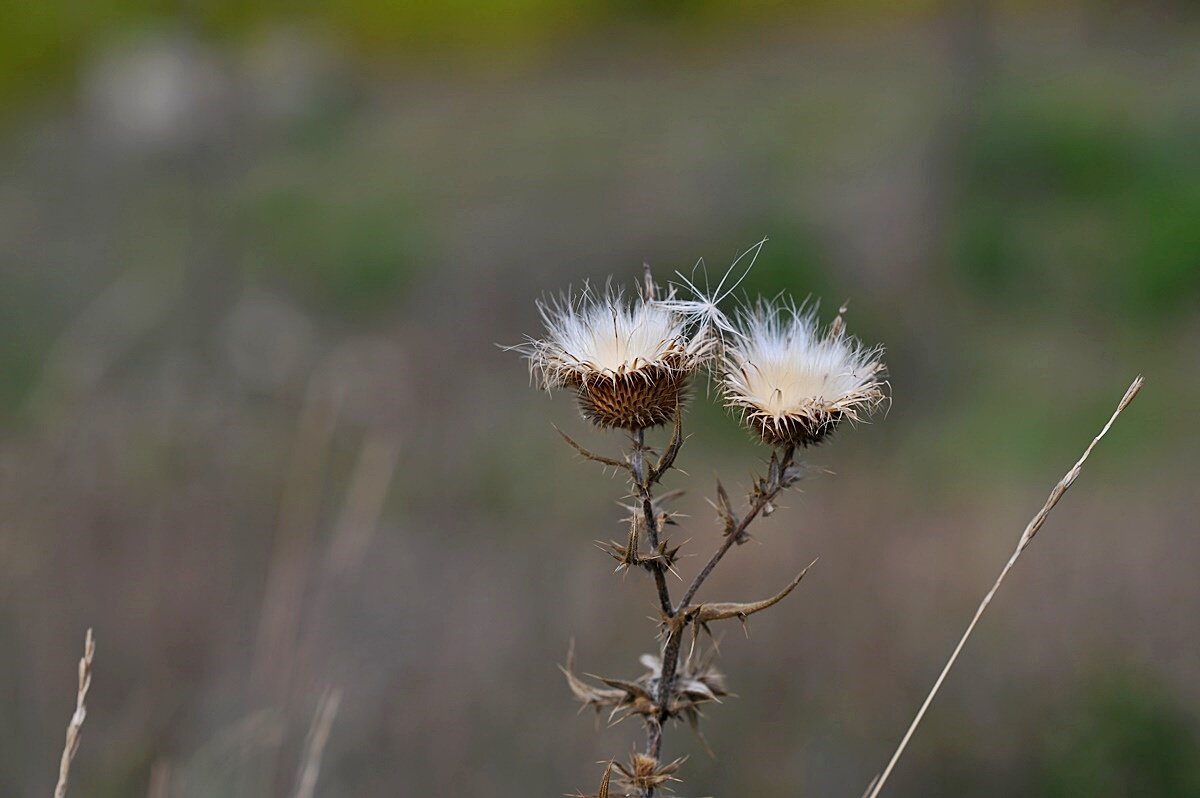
254	427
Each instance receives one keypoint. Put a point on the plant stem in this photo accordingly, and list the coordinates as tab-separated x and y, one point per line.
672	645
737	530
645	492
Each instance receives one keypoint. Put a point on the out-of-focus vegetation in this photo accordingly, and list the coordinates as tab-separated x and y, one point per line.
1122	736
1083	183
355	259
47	41
242	245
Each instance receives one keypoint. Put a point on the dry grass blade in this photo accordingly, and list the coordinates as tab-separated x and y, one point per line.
1026	537
363	507
76	725
318	736
160	780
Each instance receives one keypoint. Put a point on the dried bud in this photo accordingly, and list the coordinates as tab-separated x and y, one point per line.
643	773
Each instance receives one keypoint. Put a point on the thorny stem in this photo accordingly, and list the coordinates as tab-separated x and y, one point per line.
644	476
644	484
645	492
735	534
736	531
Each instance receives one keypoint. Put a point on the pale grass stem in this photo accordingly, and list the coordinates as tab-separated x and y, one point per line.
318	736
1026	537
160	780
75	727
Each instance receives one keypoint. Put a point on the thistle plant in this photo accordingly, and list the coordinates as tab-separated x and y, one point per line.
630	359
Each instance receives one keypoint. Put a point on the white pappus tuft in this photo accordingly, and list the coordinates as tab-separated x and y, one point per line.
630	360
794	382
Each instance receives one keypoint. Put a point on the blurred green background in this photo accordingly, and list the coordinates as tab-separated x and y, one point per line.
255	429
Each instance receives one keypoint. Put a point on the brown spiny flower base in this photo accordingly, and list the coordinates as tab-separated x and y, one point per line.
644	775
794	430
644	398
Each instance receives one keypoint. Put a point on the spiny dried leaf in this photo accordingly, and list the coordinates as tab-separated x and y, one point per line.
632	689
622	553
635	699
667	555
707	613
644	773
588	695
667	460
664	520
781	475
773	468
608	461
725	509
625	554
658	507
696	683
603	791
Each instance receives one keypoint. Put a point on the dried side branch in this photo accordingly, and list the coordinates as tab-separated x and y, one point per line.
1026	537
782	473
76	725
599	458
707	613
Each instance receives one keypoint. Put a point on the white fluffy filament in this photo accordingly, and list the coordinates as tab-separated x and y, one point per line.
602	335
781	364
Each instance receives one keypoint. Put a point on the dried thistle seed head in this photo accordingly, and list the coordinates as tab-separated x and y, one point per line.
794	383
629	360
633	401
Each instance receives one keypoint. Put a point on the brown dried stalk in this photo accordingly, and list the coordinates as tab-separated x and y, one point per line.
781	474
1026	538
672	689
643	482
76	725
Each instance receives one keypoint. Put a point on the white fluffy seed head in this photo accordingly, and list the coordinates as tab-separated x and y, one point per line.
630	359
793	381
